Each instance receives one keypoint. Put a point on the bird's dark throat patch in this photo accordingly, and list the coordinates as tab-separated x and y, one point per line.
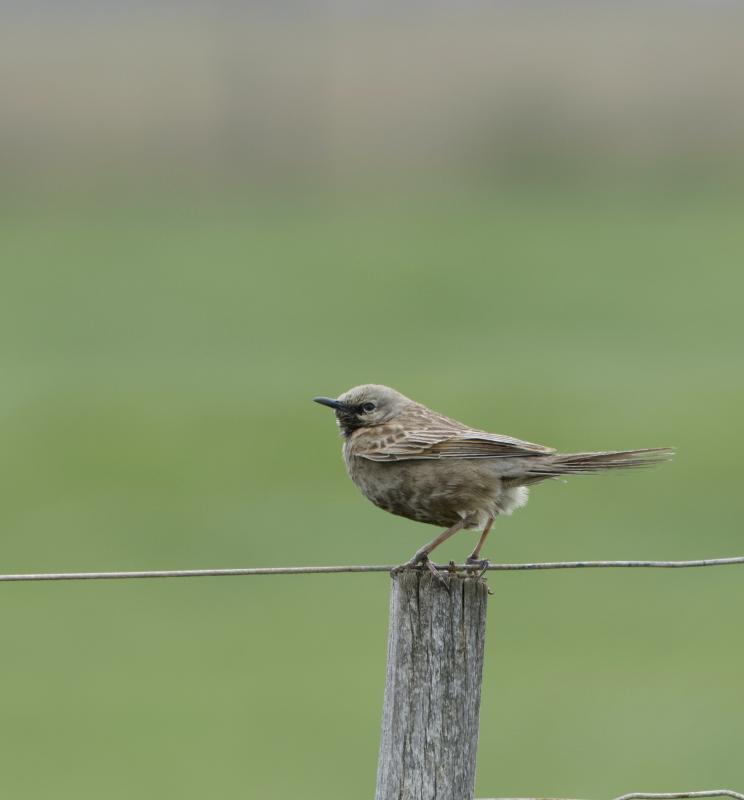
350	419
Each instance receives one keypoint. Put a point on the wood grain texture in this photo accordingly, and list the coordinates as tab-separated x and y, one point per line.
432	695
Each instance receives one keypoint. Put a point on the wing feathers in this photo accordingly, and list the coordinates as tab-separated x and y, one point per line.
436	443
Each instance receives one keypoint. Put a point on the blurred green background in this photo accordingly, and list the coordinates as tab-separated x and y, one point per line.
527	218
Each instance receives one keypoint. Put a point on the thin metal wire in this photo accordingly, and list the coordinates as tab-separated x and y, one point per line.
675	795
649	795
221	573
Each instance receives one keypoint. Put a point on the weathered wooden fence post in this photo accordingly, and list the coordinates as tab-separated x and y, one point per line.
433	689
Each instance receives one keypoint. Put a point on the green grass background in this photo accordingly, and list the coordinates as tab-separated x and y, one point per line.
158	362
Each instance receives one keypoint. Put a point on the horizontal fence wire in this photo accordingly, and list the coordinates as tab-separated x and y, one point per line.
648	795
247	571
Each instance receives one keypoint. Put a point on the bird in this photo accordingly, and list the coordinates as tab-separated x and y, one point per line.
419	464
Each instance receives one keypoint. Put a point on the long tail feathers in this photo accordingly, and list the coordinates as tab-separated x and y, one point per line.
588	463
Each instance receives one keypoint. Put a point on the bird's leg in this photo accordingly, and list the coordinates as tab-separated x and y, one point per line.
474	557
422	554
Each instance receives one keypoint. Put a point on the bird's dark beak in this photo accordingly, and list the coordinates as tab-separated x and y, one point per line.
330	402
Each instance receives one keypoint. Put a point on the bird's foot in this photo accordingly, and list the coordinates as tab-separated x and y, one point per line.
416	561
437	574
421	560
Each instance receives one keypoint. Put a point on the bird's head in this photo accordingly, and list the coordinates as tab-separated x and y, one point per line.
365	406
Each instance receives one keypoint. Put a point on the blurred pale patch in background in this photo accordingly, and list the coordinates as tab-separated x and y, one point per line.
526	215
230	93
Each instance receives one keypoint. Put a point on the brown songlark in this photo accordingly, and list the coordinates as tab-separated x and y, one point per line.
414	462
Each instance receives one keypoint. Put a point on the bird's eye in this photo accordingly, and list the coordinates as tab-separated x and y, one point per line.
368	407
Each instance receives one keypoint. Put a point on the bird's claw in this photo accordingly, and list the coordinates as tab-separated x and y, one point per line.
437	574
421	560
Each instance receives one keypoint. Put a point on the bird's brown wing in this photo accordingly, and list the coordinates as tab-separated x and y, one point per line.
435	443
